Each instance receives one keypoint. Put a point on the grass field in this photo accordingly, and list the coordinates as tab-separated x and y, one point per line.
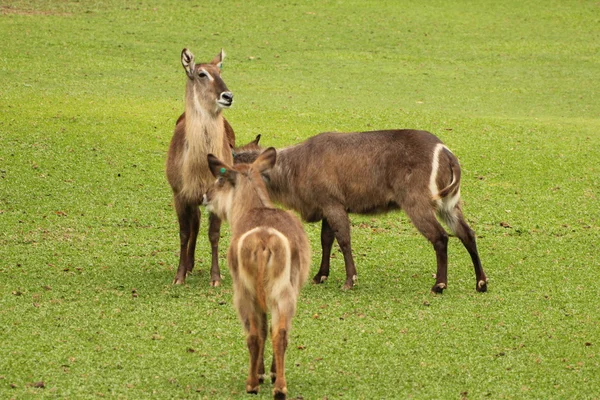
89	93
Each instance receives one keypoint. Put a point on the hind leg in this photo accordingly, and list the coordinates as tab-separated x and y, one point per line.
426	222
282	315
280	342
461	229
261	360
255	340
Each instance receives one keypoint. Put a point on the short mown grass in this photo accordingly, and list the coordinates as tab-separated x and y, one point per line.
89	93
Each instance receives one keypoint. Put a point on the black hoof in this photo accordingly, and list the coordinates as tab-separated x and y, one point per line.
481	286
438	288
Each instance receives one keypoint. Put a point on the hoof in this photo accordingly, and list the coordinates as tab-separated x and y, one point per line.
215	283
280	393
350	283
318	279
273	377
438	288
262	378
178	281
482	286
251	389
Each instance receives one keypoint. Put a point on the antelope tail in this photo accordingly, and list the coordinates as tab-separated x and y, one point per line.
265	263
263	258
454	186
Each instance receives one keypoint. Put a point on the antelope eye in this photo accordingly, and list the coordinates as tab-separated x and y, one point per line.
202	74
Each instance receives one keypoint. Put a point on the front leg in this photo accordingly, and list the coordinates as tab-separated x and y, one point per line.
339	222
194	228
185	216
214	234
327	238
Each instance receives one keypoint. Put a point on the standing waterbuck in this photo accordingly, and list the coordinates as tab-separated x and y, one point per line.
200	130
333	174
269	260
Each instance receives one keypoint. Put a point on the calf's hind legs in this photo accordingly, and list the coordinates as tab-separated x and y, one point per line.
282	322
255	340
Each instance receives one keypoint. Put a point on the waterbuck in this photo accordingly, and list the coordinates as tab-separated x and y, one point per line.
332	174
200	130
269	260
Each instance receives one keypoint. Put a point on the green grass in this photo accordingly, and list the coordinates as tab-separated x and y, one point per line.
89	92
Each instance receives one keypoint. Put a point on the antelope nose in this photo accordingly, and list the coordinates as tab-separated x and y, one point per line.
227	96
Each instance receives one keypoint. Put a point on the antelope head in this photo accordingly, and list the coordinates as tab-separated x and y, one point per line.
238	188
205	85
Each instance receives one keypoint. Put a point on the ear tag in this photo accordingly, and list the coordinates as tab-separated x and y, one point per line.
222	170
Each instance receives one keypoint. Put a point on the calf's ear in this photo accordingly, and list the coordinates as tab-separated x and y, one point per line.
219	169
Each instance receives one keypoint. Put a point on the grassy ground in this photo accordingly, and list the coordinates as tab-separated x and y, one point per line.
89	93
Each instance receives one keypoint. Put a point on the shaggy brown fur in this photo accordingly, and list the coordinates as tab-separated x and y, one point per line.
201	130
333	174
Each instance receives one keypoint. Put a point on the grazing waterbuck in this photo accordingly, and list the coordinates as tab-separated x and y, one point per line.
332	174
200	130
269	260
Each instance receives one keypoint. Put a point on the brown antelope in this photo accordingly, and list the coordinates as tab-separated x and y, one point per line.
200	130
333	174
269	260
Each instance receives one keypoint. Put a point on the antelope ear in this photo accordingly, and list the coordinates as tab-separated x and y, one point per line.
255	141
187	60
218	60
266	160
219	169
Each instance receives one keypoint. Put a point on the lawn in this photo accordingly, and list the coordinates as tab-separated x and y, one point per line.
89	94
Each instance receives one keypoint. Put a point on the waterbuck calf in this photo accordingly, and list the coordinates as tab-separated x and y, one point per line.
333	174
269	260
200	130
